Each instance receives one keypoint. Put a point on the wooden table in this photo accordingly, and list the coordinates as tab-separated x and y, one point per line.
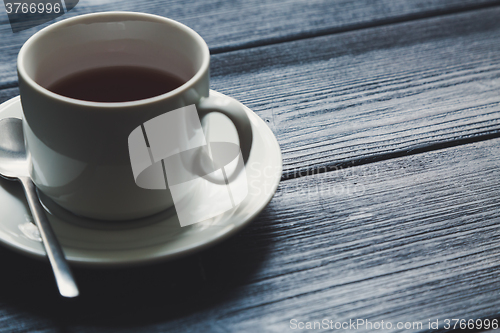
388	116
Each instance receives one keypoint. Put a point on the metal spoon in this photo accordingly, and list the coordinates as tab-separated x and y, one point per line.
14	165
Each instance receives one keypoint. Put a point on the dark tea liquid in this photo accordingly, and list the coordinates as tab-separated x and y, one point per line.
116	84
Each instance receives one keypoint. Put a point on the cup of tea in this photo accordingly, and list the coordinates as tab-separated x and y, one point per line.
88	82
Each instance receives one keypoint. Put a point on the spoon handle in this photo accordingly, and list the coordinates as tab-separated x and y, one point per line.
64	278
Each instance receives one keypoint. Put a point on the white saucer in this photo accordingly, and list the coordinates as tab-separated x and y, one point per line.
148	240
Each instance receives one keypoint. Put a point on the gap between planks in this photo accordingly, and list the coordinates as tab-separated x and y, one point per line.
390	155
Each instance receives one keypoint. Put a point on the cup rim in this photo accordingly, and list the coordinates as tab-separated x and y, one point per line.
111	105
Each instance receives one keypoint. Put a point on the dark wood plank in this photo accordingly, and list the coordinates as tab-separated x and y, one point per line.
8	93
363	95
415	238
228	25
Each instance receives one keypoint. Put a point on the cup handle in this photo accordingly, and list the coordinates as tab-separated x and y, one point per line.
235	112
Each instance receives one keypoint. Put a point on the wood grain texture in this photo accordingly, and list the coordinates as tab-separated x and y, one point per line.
409	239
363	95
6	94
228	25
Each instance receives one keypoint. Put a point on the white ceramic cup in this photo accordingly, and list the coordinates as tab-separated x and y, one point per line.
78	149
